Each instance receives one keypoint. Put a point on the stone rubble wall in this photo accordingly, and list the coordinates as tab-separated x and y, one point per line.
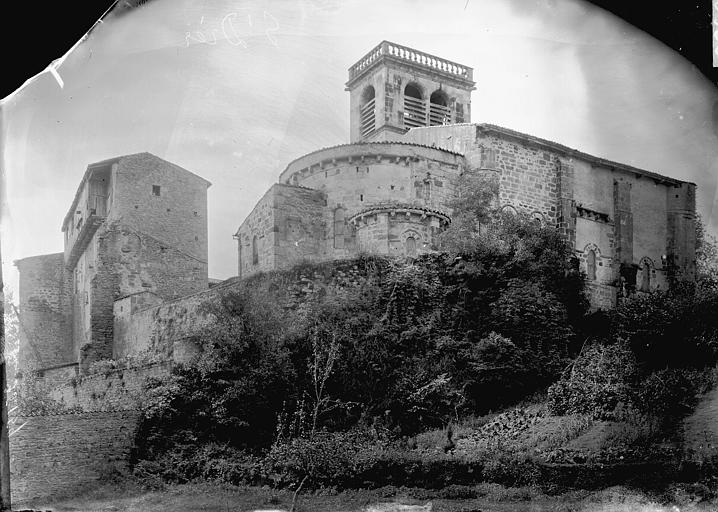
111	390
57	455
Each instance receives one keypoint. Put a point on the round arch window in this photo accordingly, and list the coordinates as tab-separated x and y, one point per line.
410	246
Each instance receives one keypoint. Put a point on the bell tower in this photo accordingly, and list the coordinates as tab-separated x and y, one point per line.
394	88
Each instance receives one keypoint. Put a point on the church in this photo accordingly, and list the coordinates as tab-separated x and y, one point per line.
388	191
130	295
133	274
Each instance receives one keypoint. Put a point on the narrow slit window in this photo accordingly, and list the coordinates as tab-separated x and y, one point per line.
646	277
155	190
591	265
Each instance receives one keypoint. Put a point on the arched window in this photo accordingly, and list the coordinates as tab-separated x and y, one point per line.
339	228
410	246
507	209
439	111
414	107
646	276
537	219
255	251
367	111
591	265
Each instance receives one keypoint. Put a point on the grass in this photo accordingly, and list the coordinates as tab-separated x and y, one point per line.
487	497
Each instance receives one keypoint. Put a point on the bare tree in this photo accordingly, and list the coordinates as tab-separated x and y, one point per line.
325	351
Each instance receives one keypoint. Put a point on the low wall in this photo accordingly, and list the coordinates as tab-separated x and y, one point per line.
58	375
109	391
157	328
57	455
167	329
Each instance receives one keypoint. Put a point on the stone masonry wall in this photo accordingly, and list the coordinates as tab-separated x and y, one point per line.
387	233
128	262
168	329
529	180
358	177
301	228
159	329
680	231
59	375
45	311
627	216
60	454
111	390
255	237
162	200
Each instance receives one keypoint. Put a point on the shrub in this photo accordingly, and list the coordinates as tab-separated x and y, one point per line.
601	379
31	396
511	469
327	459
211	462
492	372
674	392
535	320
655	326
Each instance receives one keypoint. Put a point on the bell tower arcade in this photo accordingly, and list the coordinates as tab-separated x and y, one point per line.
394	88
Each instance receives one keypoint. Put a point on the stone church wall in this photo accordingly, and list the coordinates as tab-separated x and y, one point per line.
288	226
255	238
625	216
301	229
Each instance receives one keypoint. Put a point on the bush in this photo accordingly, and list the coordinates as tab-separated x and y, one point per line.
601	379
677	328
210	462
326	459
511	469
674	392
410	345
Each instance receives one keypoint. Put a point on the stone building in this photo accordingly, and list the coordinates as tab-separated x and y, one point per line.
135	235
132	279
389	190
135	260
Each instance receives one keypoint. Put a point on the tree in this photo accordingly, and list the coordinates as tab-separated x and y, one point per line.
325	350
473	207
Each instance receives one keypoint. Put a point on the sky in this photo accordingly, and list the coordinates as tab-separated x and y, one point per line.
235	90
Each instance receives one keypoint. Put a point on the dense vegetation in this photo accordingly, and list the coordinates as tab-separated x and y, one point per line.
338	387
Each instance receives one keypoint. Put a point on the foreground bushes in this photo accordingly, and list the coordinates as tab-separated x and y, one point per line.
336	461
411	344
600	383
605	383
325	385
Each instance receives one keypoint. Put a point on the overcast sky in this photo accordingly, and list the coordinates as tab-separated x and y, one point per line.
234	90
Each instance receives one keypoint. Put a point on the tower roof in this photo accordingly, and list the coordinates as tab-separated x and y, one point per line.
388	52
